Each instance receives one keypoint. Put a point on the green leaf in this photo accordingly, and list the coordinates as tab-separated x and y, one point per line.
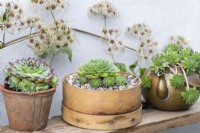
1	19
69	53
146	83
133	66
142	71
4	17
121	66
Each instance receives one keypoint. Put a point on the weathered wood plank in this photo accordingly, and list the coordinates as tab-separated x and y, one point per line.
153	120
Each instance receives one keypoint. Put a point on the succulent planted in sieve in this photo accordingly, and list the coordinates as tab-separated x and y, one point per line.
82	79
101	73
30	75
98	68
120	80
109	81
97	82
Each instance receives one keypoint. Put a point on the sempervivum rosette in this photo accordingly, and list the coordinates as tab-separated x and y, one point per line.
30	75
98	68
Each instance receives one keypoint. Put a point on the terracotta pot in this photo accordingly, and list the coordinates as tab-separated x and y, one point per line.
90	103
163	96
27	111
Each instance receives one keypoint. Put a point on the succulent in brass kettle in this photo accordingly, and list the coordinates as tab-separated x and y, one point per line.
173	48
159	63
171	57
190	96
177	81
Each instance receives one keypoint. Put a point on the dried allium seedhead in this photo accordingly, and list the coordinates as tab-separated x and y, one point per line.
53	39
32	21
178	40
111	32
14	15
50	4
147	49
111	37
104	8
140	30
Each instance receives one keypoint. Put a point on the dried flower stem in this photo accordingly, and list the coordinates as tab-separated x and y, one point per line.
170	68
98	36
52	15
4	36
20	39
23	39
185	76
105	24
52	59
89	33
113	57
130	48
31	30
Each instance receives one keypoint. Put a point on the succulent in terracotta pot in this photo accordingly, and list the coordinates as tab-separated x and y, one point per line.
97	91
28	92
166	85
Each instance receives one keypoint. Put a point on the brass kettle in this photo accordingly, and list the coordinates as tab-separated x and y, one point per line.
194	80
162	95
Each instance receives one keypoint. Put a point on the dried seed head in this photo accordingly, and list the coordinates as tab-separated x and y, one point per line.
140	30
31	40
50	4
147	49
111	38
178	40
15	14
104	8
53	39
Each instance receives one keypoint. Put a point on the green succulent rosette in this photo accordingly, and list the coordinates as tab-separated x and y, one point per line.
30	75
98	68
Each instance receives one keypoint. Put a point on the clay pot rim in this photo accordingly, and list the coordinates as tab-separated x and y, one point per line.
6	91
102	91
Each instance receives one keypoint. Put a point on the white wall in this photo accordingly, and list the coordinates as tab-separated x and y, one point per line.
165	17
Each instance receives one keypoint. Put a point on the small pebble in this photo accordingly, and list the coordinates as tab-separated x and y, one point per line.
132	81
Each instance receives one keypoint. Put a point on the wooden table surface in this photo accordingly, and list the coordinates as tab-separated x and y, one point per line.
153	120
